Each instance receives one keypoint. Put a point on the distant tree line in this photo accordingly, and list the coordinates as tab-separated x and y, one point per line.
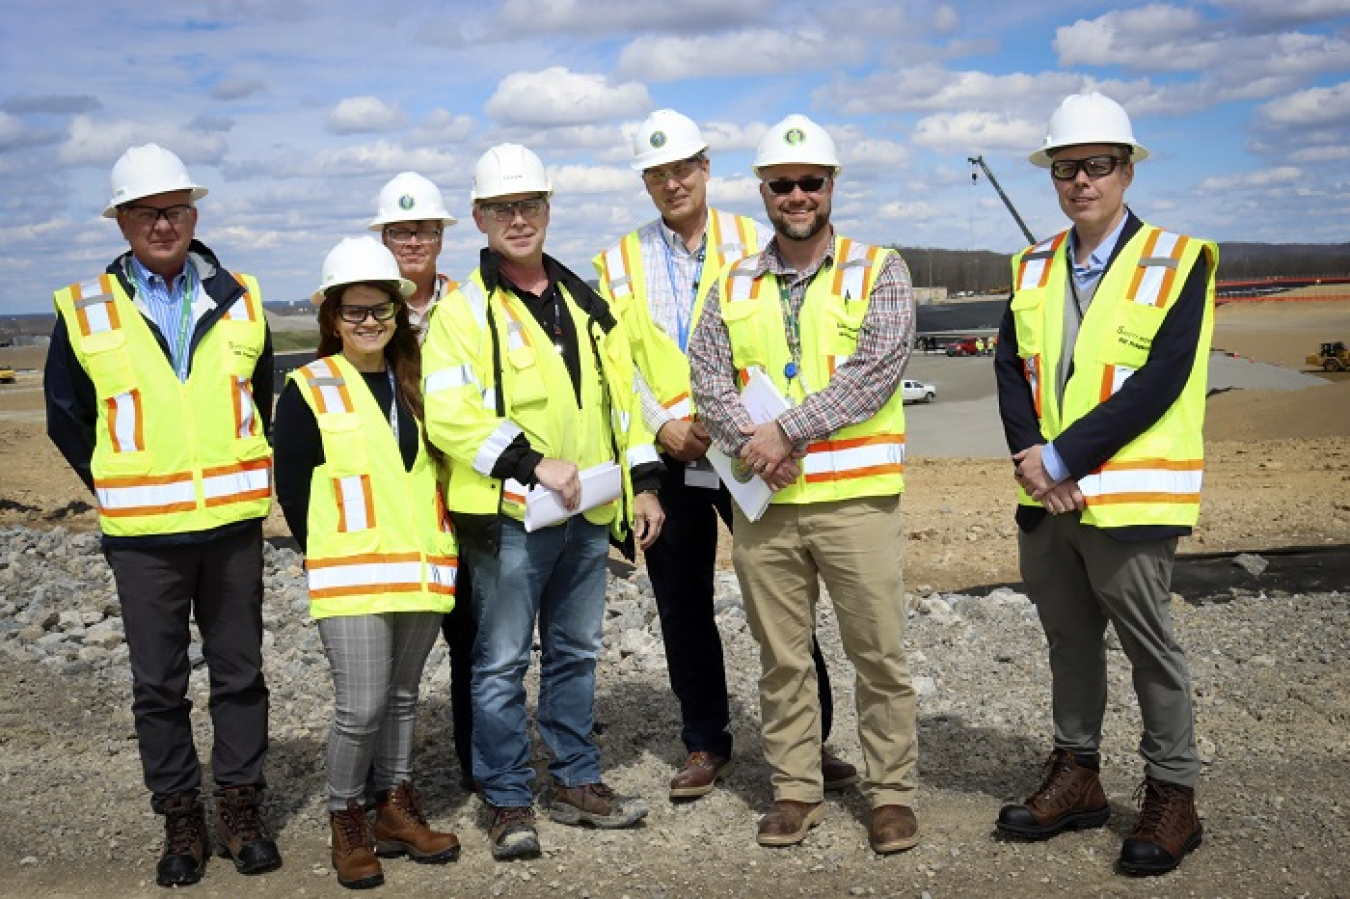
982	271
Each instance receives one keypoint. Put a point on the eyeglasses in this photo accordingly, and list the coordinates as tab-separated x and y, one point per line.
679	171
406	235
354	315
507	212
784	186
1095	166
149	216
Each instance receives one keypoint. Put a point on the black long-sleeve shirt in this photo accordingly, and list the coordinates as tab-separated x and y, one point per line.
72	401
1143	399
298	447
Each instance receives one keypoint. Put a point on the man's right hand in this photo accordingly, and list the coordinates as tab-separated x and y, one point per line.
563	477
684	440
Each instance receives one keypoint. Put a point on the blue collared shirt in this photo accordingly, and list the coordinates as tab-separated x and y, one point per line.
1084	276
169	306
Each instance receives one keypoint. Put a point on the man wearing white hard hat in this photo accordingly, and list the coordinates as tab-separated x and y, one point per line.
656	279
411	217
830	323
359	489
1101	365
159	395
530	383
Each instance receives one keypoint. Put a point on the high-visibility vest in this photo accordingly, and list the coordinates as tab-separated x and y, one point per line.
1155	478
380	538
461	389
171	457
865	459
623	283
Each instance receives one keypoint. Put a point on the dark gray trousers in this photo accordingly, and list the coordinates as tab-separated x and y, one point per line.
219	585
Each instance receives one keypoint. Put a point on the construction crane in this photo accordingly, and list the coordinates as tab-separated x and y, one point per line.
975	176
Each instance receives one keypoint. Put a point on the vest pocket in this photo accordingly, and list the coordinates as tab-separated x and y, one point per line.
843	322
1132	333
742	321
527	380
1029	319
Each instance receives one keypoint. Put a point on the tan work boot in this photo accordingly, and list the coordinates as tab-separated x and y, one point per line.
400	828
354	848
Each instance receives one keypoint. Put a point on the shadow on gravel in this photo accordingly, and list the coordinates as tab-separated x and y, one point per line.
1215	577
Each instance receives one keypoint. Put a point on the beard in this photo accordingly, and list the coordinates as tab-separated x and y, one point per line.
804	231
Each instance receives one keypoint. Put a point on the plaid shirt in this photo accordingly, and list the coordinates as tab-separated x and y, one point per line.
859	388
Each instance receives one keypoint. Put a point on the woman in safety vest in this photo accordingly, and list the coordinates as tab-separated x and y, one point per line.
357	483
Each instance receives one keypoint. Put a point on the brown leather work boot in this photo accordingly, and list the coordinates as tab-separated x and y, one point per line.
184	857
700	772
241	834
835	773
1167	831
1070	796
401	828
893	828
354	848
787	821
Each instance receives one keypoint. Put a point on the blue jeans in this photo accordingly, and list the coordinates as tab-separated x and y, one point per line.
557	575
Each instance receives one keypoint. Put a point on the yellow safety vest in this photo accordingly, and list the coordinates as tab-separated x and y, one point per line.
379	536
461	399
865	459
623	284
171	457
1155	479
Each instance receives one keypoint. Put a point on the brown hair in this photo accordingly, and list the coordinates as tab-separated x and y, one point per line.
403	353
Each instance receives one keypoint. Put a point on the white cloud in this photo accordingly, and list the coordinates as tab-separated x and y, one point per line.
747	52
357	115
380	158
965	132
1256	14
1266	178
557	96
100	143
592	179
15	133
443	127
1317	107
907	211
585	16
932	87
1120	35
724	137
946	19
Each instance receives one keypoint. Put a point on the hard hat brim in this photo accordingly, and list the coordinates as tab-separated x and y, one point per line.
197	193
1042	158
404	286
378	223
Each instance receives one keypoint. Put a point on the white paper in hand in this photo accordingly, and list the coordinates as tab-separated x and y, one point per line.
600	484
751	492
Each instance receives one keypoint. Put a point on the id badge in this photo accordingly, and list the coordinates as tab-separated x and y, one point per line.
700	473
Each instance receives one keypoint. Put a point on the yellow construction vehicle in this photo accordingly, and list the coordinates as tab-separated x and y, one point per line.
1333	357
7	375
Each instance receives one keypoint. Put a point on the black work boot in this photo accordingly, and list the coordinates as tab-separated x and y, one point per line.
1070	796
241	834
184	857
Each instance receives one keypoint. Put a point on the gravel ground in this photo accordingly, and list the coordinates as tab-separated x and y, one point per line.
1270	677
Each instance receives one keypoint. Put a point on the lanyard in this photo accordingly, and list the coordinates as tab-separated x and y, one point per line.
684	314
793	329
557	319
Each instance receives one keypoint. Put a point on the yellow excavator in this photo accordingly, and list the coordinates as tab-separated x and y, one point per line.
1333	357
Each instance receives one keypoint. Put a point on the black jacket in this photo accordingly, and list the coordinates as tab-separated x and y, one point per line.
72	402
1145	397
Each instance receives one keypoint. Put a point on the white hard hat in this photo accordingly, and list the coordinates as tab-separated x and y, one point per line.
409	197
797	139
145	171
1088	119
508	169
359	259
666	136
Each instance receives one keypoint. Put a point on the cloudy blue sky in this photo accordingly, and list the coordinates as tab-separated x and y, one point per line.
295	113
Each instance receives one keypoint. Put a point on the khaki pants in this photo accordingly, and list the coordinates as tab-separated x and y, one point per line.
854	546
1081	578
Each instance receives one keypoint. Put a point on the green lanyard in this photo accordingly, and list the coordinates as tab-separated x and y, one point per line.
793	331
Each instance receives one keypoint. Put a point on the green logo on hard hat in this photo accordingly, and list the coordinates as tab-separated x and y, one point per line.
406	202
658	139
794	136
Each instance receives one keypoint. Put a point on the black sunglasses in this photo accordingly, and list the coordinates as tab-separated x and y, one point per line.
354	315
1095	166
809	185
